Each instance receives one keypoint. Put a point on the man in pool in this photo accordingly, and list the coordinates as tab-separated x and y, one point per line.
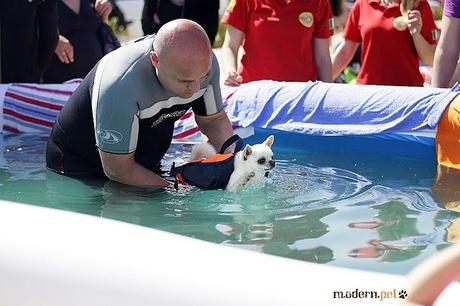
120	120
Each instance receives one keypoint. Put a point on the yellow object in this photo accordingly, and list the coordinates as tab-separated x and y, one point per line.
400	23
448	136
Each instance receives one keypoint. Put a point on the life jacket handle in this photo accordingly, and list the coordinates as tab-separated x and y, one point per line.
230	141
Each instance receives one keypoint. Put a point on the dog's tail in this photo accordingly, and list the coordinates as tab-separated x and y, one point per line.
203	150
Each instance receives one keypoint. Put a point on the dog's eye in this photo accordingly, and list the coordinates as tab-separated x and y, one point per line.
261	160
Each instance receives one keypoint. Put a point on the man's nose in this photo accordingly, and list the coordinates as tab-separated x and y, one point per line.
194	86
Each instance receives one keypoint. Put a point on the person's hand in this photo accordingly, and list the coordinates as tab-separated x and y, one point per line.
233	79
103	9
64	50
156	18
414	22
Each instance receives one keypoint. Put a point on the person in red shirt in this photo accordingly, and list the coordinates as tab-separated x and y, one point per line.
282	40
391	50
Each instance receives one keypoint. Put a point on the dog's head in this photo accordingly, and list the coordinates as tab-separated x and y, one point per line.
259	158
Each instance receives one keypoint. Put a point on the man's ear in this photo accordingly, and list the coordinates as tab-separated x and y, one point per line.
154	59
247	151
269	141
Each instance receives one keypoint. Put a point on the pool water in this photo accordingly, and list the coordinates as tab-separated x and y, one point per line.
347	201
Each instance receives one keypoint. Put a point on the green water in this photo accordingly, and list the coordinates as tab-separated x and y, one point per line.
321	204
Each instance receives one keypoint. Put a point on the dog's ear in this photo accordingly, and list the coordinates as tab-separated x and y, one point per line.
269	141
247	151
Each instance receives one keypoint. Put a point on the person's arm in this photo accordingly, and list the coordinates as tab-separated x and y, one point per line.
447	52
425	50
124	169
342	56
232	42
47	32
217	128
427	281
322	59
149	24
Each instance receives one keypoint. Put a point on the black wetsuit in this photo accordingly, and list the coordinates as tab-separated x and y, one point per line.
120	108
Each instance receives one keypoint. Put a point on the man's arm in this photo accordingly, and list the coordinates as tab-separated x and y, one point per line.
217	128
447	52
124	169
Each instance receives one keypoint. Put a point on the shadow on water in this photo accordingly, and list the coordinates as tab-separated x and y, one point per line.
320	205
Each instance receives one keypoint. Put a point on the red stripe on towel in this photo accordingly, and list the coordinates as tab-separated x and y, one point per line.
34	101
186	133
10	129
27	118
186	115
57	91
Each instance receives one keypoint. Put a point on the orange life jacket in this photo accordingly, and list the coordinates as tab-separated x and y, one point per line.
209	173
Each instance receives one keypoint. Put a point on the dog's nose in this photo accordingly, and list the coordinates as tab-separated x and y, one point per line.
272	163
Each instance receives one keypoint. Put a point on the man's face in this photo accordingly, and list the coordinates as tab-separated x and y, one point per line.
183	76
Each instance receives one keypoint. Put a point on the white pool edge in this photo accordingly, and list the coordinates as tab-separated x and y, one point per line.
53	257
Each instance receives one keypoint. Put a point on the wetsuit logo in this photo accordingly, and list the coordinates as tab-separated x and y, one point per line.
110	136
175	114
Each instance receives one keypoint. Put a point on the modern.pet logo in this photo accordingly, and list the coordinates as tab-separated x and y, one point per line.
365	294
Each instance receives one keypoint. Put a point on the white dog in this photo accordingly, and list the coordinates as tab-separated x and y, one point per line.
250	165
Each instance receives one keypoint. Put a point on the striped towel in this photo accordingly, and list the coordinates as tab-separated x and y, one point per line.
33	108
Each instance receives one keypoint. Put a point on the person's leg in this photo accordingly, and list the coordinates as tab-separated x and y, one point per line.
448	136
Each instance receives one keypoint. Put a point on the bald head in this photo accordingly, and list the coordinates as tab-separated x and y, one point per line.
182	56
182	37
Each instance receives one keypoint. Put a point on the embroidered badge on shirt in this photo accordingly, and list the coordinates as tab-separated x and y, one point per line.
306	19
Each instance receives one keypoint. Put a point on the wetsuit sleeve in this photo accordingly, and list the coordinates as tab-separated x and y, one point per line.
211	101
115	113
48	32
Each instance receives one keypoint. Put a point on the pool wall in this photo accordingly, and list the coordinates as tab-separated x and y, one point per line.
52	257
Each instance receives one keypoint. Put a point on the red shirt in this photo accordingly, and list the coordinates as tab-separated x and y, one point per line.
388	56
278	41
